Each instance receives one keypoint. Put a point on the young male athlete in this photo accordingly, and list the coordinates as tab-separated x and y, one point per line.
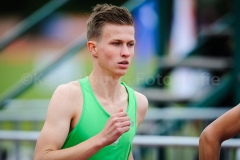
223	128
97	117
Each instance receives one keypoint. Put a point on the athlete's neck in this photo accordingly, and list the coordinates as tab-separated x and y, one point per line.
106	87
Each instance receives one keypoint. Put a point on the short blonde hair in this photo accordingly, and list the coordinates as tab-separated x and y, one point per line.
105	13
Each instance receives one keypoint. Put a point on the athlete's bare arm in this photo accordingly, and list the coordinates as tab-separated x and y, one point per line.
223	128
130	156
142	106
62	110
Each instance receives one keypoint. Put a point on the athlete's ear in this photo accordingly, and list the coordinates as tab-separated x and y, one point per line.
92	47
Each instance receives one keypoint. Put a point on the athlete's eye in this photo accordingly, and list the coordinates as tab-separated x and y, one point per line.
116	43
130	44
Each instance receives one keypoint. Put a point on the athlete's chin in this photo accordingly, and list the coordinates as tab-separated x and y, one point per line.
121	73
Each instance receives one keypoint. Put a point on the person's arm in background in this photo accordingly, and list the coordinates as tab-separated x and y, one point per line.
223	128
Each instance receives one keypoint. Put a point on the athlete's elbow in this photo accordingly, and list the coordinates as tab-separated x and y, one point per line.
40	155
208	137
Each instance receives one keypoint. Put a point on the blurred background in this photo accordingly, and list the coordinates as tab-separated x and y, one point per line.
186	63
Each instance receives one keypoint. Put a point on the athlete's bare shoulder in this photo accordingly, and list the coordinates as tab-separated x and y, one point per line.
68	90
142	106
67	97
74	87
141	100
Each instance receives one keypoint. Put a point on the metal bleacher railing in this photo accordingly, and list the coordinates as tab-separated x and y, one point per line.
38	113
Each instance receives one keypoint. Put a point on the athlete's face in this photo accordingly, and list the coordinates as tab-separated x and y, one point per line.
115	48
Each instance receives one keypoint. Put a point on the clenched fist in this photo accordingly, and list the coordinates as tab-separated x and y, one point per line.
117	124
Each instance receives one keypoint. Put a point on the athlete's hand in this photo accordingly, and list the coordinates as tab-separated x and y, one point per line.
117	124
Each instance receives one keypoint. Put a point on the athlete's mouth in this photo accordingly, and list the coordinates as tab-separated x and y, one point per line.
123	62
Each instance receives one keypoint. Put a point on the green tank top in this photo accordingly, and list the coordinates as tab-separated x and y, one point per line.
93	120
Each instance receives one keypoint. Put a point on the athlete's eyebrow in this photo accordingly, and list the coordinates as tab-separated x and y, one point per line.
131	41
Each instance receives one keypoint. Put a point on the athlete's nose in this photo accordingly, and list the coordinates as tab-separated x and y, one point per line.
125	51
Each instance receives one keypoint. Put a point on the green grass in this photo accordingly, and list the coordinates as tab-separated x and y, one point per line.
11	72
